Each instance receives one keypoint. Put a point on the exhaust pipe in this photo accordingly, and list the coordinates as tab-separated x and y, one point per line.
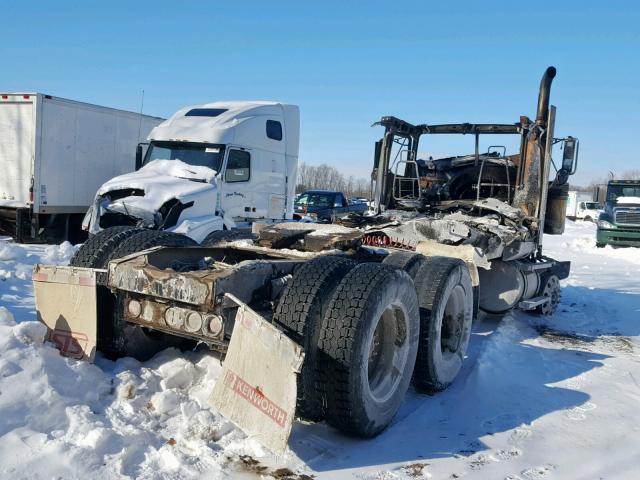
543	96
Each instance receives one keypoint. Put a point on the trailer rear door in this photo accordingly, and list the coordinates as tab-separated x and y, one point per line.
17	147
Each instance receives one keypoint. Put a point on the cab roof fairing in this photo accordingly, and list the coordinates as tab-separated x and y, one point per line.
242	123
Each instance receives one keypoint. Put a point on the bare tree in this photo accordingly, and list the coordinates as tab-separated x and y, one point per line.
327	177
633	174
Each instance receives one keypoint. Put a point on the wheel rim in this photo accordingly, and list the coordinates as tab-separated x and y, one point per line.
552	292
452	328
388	351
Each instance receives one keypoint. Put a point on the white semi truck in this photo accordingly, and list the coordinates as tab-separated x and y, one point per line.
54	154
208	168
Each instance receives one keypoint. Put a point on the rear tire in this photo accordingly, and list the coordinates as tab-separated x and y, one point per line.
368	344
408	261
445	294
300	311
94	252
146	239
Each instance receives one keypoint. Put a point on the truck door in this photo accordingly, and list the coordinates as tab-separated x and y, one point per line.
236	198
340	206
581	209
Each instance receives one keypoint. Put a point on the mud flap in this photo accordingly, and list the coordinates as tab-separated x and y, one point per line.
257	388
66	304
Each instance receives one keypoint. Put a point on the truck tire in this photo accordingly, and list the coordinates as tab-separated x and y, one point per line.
368	345
408	261
300	311
550	288
222	236
444	290
144	239
94	252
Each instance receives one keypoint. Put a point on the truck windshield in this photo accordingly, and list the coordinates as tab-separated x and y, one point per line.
322	200
592	205
615	191
196	154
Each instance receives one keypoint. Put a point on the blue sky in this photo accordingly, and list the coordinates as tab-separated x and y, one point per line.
346	64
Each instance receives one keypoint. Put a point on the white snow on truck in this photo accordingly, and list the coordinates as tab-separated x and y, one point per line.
210	167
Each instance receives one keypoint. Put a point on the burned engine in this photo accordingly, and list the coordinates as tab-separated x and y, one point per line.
467	177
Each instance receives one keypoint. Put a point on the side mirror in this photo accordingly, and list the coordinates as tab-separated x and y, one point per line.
570	155
138	157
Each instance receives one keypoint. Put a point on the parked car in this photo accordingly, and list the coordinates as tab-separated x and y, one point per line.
326	206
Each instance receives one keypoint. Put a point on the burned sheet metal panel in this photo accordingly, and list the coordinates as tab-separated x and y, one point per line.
258	392
199	287
136	275
504	209
528	191
308	237
251	280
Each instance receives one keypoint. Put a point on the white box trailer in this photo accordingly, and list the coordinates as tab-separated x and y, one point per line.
54	154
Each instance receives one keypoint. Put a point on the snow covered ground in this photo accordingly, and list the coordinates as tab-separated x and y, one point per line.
555	398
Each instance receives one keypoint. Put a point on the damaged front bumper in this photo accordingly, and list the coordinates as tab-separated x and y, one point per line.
103	214
618	237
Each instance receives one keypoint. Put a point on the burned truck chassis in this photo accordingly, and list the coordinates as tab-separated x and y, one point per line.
368	298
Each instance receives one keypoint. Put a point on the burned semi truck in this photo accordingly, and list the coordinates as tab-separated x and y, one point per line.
335	321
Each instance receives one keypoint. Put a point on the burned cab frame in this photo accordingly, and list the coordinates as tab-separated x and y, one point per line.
498	203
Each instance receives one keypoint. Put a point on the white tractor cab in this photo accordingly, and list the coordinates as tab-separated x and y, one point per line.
209	167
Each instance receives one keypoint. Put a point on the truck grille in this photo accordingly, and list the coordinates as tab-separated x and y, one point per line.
627	218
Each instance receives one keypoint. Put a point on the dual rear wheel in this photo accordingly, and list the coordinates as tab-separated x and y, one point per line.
369	329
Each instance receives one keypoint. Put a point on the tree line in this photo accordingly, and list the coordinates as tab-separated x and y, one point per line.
633	174
326	177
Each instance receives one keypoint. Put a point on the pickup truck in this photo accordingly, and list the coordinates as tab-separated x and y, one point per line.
325	206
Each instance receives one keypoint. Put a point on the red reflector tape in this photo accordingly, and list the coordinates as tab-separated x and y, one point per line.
85	281
40	277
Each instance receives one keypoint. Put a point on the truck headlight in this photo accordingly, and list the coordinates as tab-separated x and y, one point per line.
605	224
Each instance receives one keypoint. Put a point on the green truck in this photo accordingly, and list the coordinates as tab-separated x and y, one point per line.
619	223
